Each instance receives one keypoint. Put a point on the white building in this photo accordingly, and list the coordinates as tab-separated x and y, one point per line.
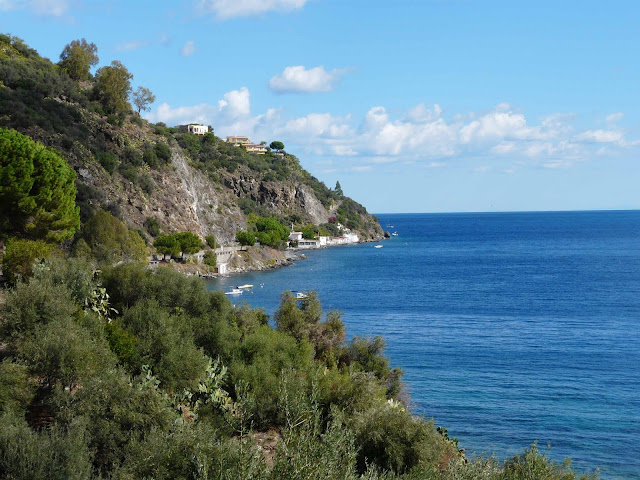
295	236
195	128
308	244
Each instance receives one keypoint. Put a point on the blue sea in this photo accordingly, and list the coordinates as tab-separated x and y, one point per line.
511	328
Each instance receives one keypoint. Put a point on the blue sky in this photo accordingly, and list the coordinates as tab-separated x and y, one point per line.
414	106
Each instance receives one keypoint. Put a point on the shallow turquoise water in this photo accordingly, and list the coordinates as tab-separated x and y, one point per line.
510	327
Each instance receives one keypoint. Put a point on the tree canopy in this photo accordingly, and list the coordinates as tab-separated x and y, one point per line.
278	146
142	98
78	57
185	242
37	190
113	86
338	189
111	241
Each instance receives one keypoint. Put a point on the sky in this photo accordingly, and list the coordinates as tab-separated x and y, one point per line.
412	105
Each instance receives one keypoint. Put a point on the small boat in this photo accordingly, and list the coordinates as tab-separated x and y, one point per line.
395	234
389	226
244	286
378	246
234	291
300	295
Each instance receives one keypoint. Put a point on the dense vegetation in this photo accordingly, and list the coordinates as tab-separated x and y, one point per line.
127	373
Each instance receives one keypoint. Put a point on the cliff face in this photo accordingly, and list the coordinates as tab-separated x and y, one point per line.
147	173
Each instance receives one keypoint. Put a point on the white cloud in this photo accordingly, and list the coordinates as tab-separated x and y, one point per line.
125	47
615	117
297	79
188	49
319	125
601	136
236	102
419	135
224	9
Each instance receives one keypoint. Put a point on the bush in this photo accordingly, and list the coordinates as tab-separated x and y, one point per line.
211	241
21	255
109	161
245	238
110	240
210	259
152	225
389	438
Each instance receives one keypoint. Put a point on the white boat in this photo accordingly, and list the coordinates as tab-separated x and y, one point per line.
378	246
244	286
234	291
300	295
395	234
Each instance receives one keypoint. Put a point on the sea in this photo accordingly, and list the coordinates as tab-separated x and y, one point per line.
511	328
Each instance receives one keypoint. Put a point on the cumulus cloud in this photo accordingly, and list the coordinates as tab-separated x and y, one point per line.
298	79
236	103
224	9
188	49
421	134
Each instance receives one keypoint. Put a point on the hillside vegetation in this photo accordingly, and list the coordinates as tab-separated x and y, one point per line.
138	170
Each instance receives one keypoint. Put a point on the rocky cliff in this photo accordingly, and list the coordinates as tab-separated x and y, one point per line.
152	175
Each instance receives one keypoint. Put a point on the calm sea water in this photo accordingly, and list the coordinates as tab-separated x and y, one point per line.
511	327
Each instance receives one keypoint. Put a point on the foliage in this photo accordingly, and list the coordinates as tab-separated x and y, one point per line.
109	161
59	453
152	225
113	86
78	57
20	255
338	190
111	241
210	259
278	146
211	241
37	190
143	98
245	238
185	242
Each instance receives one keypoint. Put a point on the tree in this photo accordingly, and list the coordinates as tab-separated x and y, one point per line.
245	238
111	241
142	98
37	190
167	245
278	146
189	242
113	86
78	57
338	189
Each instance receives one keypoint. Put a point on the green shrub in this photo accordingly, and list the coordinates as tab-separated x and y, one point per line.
245	238
20	255
111	241
152	225
210	259
59	453
211	241
109	161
